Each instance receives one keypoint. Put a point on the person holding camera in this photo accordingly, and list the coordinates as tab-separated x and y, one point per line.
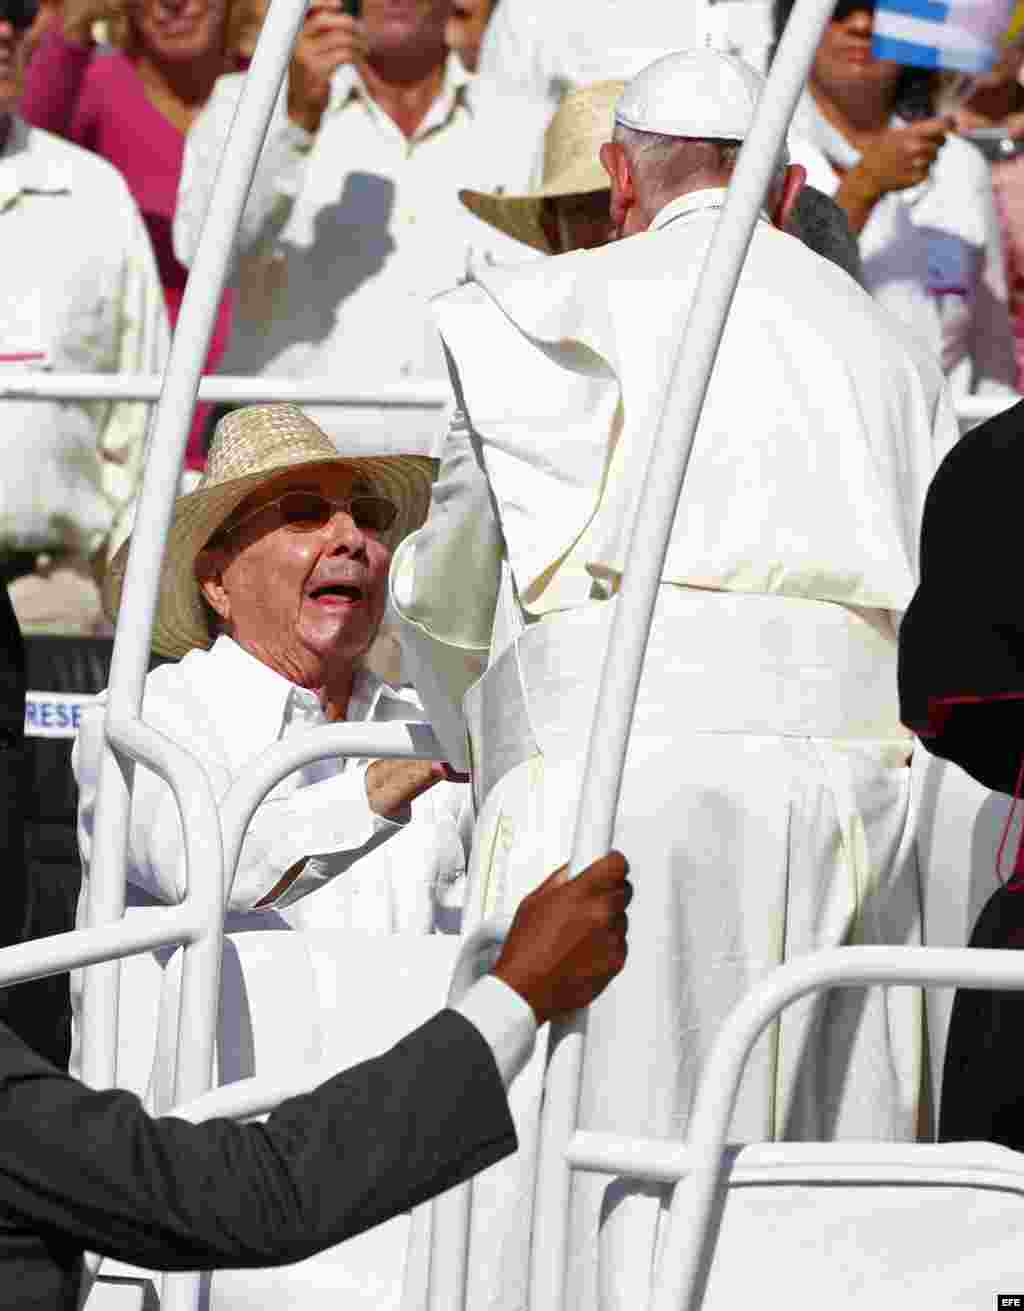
918	198
353	220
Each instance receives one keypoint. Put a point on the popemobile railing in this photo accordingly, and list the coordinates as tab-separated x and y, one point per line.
213	833
431	398
212	836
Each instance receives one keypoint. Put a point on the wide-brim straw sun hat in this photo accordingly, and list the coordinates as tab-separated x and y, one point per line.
252	446
582	124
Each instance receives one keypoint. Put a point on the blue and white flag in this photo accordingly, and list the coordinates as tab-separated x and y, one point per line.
965	35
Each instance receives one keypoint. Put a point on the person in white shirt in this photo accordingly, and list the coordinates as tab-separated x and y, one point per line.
273	587
919	198
81	295
545	50
353	221
767	790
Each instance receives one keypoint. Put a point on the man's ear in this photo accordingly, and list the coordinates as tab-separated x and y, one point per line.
209	575
792	184
616	164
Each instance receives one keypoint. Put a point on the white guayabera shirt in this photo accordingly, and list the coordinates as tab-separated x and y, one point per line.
227	707
348	233
81	295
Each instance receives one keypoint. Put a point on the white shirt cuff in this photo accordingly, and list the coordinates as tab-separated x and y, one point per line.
506	1021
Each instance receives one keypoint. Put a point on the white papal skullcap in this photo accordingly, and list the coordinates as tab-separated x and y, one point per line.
693	93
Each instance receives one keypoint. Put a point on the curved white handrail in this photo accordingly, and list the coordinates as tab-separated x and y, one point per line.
238	389
138	602
257	1095
396	741
431	396
686	1255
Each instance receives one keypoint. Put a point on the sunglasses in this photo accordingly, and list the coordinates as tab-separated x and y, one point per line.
19	13
306	512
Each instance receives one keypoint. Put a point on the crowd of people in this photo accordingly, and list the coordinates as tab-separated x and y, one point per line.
515	197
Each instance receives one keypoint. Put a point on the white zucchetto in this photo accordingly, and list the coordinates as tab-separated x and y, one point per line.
693	93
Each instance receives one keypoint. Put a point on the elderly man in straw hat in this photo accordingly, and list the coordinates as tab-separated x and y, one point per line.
767	785
273	587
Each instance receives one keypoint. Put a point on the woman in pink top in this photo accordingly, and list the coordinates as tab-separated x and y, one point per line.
134	104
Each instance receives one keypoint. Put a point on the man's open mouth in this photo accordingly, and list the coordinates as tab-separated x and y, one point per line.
337	592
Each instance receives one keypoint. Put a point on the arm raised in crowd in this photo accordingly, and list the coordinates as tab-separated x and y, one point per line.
328	40
55	78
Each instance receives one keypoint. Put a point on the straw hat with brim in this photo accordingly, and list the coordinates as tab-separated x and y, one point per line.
575	135
251	446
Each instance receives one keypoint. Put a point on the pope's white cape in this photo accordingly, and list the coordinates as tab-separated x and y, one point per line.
558	373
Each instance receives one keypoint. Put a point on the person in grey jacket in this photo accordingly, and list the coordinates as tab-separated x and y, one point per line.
89	1169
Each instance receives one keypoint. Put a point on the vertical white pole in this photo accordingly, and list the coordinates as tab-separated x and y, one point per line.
131	646
163	466
634	606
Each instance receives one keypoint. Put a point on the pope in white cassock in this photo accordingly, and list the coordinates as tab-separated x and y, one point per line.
767	791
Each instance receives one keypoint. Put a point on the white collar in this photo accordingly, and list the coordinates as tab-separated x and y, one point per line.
705	201
457	85
26	165
240	679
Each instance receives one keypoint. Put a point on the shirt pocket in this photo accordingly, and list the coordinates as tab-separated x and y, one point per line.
25	345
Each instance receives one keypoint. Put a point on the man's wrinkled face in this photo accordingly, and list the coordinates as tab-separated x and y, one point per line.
405	27
306	603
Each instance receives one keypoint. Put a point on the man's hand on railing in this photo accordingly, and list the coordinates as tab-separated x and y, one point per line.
392	784
568	938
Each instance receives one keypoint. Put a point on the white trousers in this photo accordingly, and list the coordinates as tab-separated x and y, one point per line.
747	848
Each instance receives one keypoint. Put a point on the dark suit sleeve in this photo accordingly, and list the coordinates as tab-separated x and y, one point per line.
93	1168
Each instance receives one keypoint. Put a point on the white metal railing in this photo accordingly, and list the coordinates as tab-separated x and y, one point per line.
697	1168
431	397
131	645
43	386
